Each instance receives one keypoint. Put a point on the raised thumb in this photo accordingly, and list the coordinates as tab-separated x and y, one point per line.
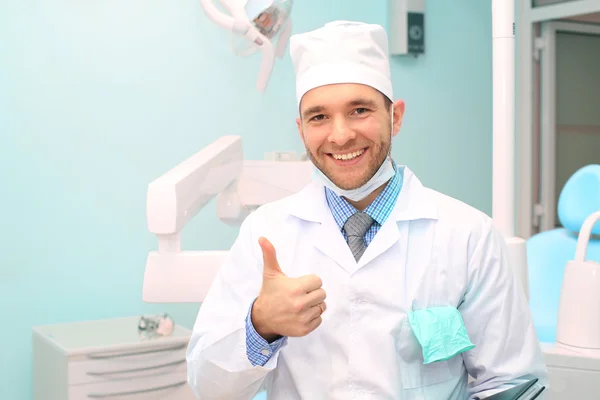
271	265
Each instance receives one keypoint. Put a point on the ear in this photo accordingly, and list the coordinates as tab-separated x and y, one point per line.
398	115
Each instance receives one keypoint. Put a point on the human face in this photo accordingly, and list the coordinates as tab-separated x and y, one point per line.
346	129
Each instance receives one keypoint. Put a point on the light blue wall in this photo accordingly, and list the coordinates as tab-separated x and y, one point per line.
99	98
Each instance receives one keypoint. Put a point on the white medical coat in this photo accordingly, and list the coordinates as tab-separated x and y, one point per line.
432	251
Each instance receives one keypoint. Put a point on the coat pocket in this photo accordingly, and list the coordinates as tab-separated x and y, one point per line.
414	372
441	332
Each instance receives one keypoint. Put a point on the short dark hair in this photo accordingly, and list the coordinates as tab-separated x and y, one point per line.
387	102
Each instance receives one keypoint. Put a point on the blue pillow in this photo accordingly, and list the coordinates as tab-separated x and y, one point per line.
579	198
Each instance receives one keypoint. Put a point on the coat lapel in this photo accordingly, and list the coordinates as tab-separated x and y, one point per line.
387	236
311	206
329	240
413	203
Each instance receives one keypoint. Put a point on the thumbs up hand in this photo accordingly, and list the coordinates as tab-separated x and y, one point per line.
271	265
286	306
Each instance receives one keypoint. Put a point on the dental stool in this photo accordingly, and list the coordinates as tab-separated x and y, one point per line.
573	372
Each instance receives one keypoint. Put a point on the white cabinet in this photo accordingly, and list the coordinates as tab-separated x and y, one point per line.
107	359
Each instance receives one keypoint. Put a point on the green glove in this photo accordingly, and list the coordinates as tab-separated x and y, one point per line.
441	333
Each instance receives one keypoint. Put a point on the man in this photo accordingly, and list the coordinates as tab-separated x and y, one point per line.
365	284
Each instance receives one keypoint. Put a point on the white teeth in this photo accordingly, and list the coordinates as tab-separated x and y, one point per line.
348	156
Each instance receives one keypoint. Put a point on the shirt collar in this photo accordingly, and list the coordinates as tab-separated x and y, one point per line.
380	209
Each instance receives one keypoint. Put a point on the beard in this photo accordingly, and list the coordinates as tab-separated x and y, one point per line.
379	153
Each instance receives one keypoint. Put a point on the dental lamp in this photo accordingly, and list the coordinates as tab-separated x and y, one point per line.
218	172
259	23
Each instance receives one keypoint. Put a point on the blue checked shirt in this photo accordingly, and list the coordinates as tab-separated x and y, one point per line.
258	350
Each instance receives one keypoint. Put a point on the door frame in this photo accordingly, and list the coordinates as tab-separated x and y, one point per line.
548	120
527	46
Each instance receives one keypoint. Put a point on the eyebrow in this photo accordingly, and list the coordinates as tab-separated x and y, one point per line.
312	110
363	102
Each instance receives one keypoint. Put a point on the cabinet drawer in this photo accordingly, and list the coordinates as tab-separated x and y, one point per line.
162	387
127	364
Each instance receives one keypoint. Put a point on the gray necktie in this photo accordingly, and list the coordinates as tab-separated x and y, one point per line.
355	227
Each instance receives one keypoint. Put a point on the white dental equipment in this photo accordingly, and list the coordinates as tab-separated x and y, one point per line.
174	199
572	371
503	169
574	360
578	324
259	22
173	275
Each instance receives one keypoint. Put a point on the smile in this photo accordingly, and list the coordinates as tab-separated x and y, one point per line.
348	156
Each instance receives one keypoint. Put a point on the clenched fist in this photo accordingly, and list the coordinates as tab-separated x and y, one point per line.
286	306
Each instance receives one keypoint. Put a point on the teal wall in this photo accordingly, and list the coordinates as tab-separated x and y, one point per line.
99	98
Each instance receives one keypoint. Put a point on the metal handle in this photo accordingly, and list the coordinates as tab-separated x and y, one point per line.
156	389
105	356
126	371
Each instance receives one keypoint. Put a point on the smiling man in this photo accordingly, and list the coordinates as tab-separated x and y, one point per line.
366	284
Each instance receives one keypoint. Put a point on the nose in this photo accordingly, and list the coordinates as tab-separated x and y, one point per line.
341	132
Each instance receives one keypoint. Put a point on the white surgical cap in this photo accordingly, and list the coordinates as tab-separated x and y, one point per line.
341	52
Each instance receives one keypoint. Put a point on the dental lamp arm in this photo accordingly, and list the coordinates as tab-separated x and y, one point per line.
284	37
241	24
266	64
174	199
177	196
238	26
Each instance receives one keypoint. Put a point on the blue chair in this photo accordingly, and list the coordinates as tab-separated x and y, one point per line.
261	396
548	252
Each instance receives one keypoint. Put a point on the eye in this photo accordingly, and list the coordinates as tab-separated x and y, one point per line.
361	110
317	118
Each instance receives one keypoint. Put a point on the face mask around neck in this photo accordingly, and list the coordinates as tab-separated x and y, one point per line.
384	173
